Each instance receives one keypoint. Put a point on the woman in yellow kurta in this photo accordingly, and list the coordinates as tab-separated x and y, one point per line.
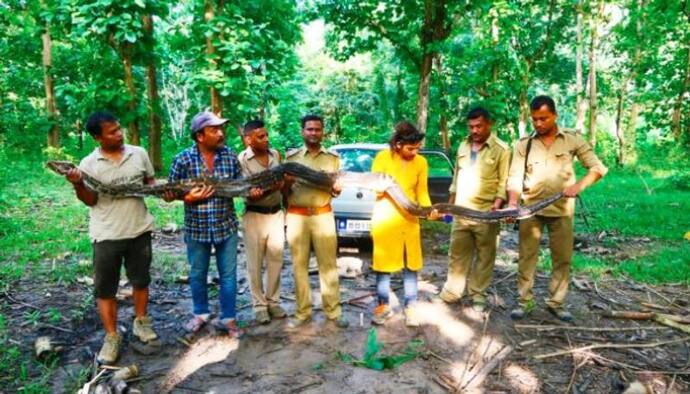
396	234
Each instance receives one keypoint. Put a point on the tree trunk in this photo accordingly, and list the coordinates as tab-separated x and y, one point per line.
399	98
593	74
620	135
154	107
443	106
494	40
523	103
54	132
209	14
579	105
433	30
133	125
423	92
630	135
675	119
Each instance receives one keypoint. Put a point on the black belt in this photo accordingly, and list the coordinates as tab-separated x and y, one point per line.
264	210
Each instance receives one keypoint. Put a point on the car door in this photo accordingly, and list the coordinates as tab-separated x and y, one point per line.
440	175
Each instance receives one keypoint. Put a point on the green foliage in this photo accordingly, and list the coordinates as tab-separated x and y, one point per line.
620	203
667	265
372	358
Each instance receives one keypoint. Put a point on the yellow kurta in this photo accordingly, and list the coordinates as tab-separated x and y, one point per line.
395	233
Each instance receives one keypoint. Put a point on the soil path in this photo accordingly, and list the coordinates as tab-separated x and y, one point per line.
459	344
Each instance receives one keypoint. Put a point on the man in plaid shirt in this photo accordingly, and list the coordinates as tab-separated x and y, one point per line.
210	221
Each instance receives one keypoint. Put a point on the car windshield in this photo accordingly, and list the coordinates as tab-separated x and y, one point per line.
438	165
356	160
359	160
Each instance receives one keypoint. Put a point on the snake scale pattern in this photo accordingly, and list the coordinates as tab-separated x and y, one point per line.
318	179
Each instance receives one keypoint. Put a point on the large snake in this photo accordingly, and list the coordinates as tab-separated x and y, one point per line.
318	179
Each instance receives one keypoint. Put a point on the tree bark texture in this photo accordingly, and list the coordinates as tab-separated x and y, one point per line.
54	131
580	101
443	106
434	29
594	45
133	125
154	107
678	106
209	14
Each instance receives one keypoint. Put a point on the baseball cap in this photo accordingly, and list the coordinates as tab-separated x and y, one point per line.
204	119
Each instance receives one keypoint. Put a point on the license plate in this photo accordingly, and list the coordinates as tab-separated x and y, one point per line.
358	225
354	225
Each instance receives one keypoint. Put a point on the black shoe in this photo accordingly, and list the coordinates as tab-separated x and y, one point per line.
562	314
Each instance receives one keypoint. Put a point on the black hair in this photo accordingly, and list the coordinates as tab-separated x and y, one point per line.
310	117
252	125
541	101
405	133
96	119
479	112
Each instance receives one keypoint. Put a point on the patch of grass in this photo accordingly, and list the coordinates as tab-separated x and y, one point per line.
620	203
667	265
85	307
78	381
42	221
169	266
16	364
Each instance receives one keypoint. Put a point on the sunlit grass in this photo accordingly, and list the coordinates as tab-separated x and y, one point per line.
664	264
622	203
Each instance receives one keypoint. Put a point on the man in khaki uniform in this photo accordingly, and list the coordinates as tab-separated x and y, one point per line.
481	171
543	165
311	224
264	225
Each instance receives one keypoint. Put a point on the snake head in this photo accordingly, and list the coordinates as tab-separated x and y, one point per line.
60	167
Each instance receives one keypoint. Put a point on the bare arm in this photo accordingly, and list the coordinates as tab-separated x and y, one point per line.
586	181
84	194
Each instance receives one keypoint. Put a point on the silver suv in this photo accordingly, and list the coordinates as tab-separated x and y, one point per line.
354	206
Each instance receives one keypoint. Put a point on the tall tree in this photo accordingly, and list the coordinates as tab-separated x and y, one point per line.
580	102
211	7
595	21
54	131
357	26
253	53
120	25
154	107
630	40
532	47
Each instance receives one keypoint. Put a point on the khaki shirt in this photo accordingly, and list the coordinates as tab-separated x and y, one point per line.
118	218
550	170
302	195
250	166
478	185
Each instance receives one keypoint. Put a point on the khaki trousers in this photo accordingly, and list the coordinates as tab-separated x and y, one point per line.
317	231
470	242
264	240
561	246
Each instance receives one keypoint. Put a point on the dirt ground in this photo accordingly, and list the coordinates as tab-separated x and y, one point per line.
462	351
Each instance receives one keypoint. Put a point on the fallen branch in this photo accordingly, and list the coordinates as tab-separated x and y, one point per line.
665	320
67	330
629	315
436	356
480	376
672	321
446	382
581	328
609	346
510	275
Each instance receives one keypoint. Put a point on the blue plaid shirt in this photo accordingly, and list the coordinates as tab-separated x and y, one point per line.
212	220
